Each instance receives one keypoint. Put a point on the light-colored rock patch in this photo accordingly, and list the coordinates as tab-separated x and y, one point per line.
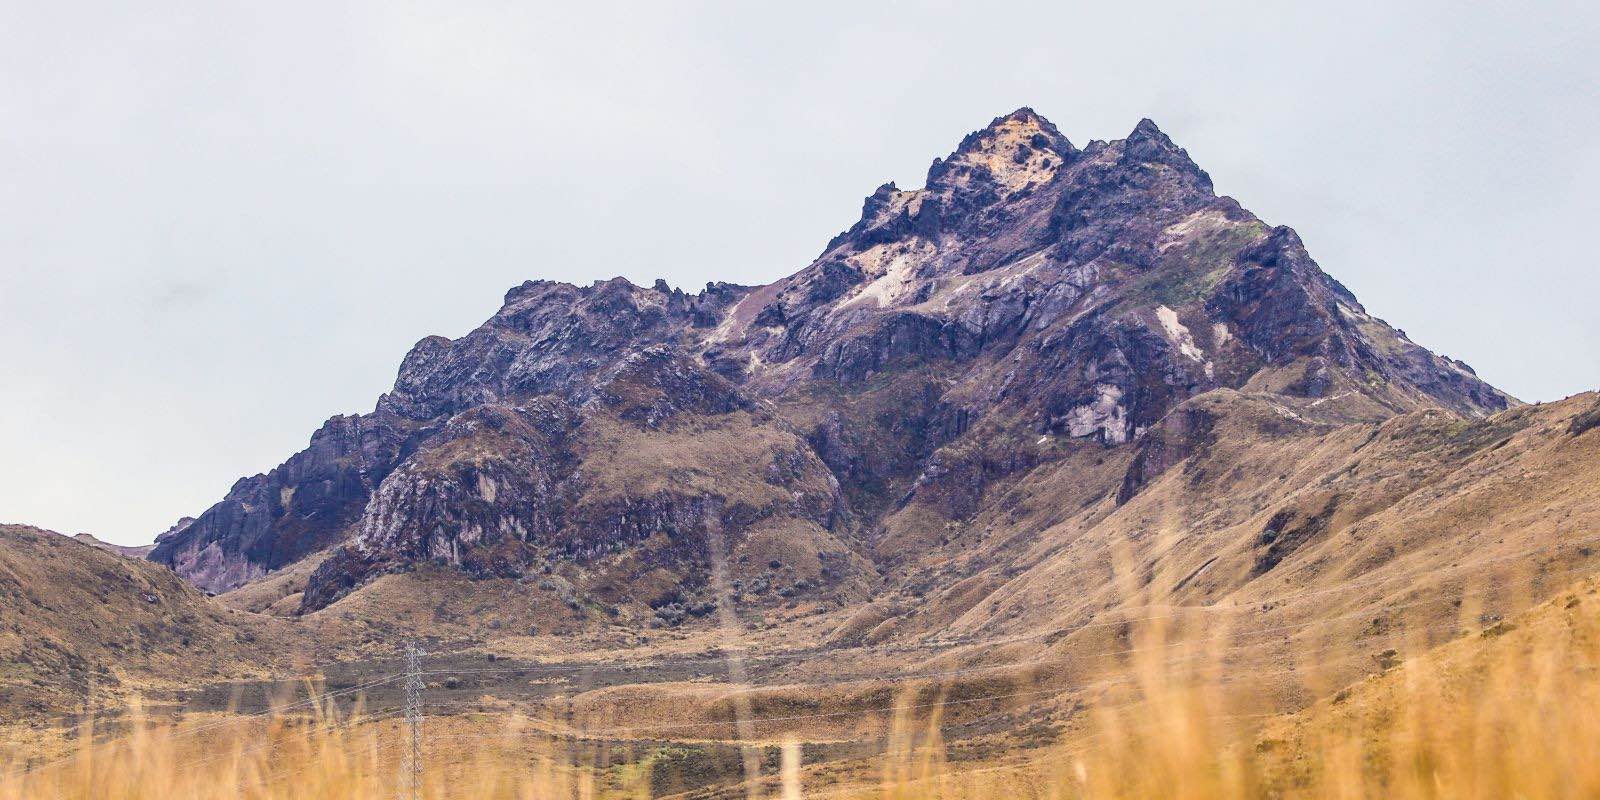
1220	335
1105	416
1178	334
896	281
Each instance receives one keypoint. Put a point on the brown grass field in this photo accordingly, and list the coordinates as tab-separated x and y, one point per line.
1509	710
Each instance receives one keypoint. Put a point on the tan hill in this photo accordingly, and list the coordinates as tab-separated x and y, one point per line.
1504	709
1464	550
1244	513
79	623
1284	540
126	551
1507	710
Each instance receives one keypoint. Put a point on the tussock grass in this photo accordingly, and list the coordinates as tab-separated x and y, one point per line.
1512	711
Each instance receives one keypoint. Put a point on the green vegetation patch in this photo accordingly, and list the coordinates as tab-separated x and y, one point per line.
1190	271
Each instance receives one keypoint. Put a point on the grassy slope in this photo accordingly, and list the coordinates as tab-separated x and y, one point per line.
1414	513
1497	514
1505	711
75	618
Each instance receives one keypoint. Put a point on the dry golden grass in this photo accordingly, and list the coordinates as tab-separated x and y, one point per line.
1512	711
77	620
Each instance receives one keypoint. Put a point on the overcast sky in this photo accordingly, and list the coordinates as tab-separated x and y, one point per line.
219	226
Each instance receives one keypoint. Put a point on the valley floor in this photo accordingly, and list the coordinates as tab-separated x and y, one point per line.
1505	710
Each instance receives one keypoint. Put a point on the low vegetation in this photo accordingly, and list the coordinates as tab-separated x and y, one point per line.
1510	710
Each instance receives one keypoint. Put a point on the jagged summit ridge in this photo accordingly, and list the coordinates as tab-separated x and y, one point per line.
1030	291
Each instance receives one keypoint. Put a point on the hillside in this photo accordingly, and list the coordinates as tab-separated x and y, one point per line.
82	624
1507	706
126	551
1437	526
1237	496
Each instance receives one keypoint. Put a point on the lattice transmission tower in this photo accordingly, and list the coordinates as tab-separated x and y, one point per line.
411	751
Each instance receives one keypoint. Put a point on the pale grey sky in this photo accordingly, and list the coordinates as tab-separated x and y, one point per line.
222	223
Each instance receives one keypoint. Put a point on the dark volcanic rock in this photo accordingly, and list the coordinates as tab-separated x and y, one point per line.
654	384
494	480
1585	421
548	338
269	521
1184	432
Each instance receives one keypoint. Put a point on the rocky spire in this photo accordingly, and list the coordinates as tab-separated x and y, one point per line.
1147	144
1013	150
1022	125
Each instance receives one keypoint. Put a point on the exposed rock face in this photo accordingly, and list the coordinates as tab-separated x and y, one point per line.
1032	292
1184	432
1585	421
307	503
632	475
1075	293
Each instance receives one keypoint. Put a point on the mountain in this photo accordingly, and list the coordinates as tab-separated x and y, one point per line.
1035	308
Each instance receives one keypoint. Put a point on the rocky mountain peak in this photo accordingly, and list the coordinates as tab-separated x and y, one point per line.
1014	151
1147	144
